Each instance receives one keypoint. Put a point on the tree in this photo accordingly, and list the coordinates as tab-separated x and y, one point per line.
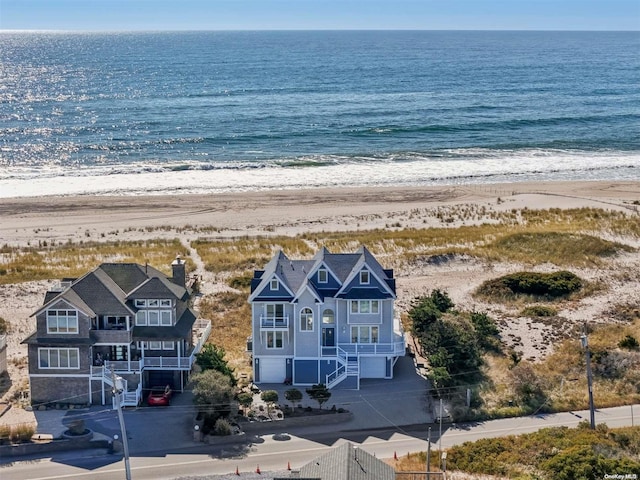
447	339
441	300
269	397
211	357
320	393
245	400
293	395
213	392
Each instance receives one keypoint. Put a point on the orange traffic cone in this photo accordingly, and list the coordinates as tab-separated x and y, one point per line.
288	465
237	471
258	469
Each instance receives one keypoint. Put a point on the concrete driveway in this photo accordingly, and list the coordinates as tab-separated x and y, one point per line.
383	404
149	429
379	403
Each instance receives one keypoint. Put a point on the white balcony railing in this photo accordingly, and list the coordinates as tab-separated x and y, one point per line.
276	323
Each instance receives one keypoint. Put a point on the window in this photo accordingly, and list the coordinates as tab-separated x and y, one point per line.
141	318
62	321
306	320
364	277
165	303
328	316
165	318
364	334
65	358
274	340
153	318
323	276
365	306
275	310
155	345
274	284
167	345
153	303
140	303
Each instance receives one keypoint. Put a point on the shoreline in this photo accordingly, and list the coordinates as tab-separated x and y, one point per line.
287	212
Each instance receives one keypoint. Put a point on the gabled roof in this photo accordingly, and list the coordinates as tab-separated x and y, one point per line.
368	261
295	275
291	273
106	289
347	462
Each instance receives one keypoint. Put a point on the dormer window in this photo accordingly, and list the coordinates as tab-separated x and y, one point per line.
274	285
323	276
364	277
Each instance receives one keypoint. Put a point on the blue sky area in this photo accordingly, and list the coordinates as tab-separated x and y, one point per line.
319	14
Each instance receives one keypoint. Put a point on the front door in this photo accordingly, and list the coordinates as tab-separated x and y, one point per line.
328	337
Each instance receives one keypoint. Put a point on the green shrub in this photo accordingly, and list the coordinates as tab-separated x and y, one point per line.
222	427
629	342
538	311
541	285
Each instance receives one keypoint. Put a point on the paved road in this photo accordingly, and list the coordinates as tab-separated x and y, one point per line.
274	452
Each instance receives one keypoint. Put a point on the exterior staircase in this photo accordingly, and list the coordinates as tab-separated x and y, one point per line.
348	365
127	398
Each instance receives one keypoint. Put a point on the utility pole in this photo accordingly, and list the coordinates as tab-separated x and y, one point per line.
587	352
429	453
440	435
117	390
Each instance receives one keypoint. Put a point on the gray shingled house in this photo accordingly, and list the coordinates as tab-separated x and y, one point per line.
345	462
120	317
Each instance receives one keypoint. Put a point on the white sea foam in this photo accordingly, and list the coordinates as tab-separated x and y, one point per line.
193	177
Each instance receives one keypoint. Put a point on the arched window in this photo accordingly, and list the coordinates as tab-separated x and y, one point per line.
306	319
328	316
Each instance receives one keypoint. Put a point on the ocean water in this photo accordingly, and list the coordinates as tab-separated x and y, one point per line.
198	112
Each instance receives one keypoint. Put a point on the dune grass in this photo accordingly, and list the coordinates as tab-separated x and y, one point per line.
75	259
230	316
247	253
559	383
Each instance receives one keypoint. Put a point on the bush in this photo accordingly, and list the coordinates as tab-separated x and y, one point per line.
538	311
21	432
629	342
4	326
222	427
545	285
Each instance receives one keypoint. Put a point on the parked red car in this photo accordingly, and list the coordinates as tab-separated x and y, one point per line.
159	396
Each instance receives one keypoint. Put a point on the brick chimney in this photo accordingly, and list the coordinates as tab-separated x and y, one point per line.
179	272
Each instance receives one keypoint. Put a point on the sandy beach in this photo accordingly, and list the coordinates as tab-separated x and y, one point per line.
287	212
26	221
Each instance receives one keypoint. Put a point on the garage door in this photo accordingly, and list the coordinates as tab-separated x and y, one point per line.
160	378
372	367
272	370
